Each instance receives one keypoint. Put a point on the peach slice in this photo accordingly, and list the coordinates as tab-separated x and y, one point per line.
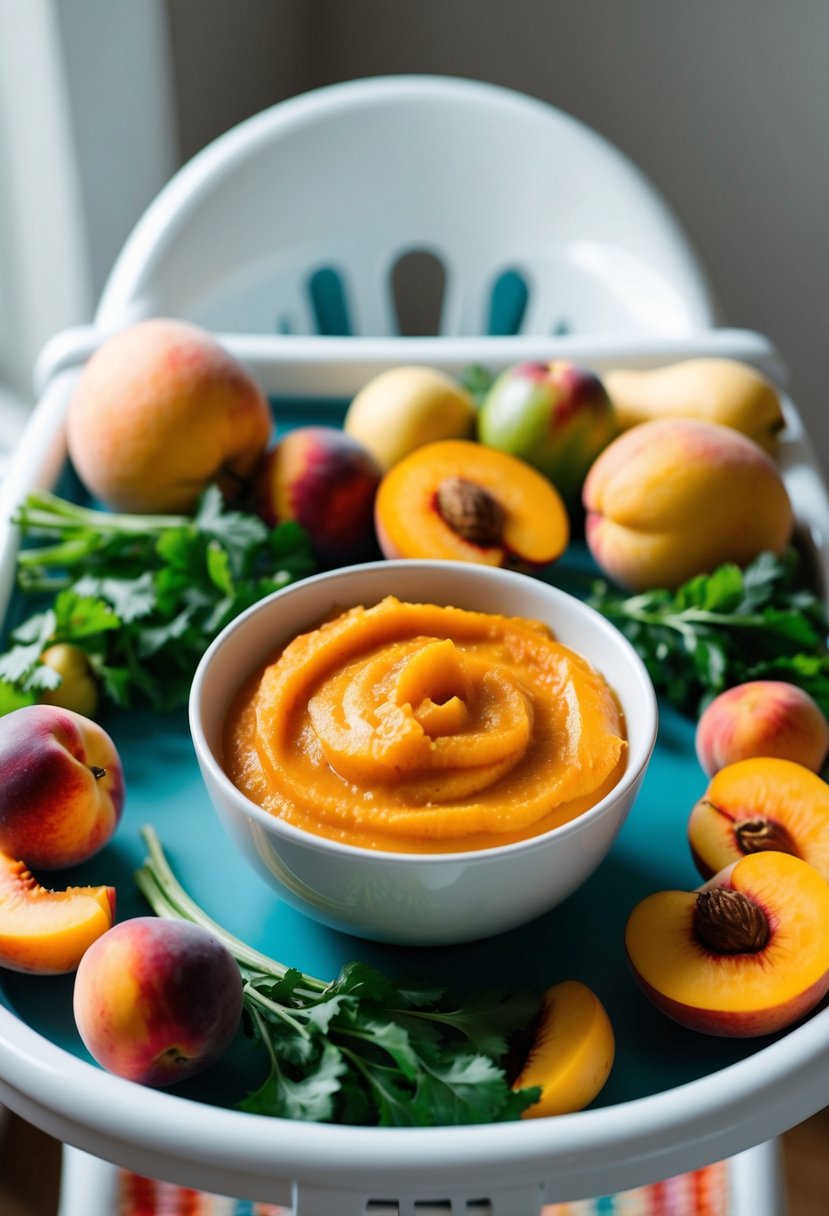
572	1053
745	955
47	932
757	805
458	500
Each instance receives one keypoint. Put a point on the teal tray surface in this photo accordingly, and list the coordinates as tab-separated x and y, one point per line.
581	939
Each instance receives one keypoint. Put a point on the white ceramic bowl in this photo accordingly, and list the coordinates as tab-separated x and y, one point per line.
419	899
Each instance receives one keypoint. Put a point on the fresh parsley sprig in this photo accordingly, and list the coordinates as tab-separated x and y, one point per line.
725	628
363	1049
141	595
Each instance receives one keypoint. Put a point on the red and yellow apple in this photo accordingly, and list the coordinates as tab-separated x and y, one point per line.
159	412
457	500
757	805
46	932
61	786
762	718
745	955
157	1001
557	416
327	482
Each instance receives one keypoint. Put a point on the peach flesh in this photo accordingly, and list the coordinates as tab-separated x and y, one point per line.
531	527
572	1053
761	804
45	932
740	993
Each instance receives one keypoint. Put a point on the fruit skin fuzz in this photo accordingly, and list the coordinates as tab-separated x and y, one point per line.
157	1001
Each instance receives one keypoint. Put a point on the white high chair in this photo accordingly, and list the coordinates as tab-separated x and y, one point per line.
292	236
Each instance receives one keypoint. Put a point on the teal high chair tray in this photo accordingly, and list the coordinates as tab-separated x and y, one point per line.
675	1099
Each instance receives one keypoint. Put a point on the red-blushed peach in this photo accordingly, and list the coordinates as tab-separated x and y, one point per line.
46	932
326	481
157	1001
761	804
160	411
557	416
61	786
458	500
571	1054
762	718
677	497
745	955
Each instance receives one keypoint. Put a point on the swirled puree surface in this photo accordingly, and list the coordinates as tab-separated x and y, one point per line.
421	728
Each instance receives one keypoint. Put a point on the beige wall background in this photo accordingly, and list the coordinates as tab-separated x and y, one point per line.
725	106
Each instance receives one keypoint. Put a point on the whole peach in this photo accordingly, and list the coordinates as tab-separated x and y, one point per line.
326	481
156	1000
61	786
677	497
160	411
762	718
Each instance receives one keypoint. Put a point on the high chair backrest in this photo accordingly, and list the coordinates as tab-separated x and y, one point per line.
319	214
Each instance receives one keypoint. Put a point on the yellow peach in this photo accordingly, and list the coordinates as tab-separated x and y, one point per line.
160	411
713	390
405	407
677	497
45	932
572	1053
745	955
458	500
761	804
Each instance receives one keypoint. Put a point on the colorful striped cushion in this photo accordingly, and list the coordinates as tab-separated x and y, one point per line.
704	1192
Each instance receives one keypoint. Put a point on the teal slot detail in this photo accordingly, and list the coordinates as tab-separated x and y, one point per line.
328	302
507	304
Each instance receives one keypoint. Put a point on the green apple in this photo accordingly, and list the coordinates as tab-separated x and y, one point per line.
557	416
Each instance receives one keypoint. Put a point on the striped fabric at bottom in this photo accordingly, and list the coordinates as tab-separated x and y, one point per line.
703	1192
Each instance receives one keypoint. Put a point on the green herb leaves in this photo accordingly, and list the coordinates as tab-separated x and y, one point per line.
725	628
363	1049
141	595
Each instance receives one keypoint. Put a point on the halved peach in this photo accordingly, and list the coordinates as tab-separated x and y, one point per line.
757	805
458	500
572	1052
46	932
745	955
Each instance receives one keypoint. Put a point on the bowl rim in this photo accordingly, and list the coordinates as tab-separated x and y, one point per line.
647	718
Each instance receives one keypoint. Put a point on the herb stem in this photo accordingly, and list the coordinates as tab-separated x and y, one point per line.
253	996
166	896
43	510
